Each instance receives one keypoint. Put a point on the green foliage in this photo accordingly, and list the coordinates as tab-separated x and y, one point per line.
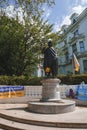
21	42
26	80
79	78
19	80
73	79
4	80
35	81
11	46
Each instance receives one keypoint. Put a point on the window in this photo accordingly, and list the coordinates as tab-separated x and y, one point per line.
76	33
65	41
69	38
81	44
74	20
41	72
74	48
85	65
67	56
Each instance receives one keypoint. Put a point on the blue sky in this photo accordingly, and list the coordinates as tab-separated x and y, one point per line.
60	13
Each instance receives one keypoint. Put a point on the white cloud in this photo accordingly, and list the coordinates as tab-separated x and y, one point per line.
78	9
66	19
47	13
83	2
12	12
56	27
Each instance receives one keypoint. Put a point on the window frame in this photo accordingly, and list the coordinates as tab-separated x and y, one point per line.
81	45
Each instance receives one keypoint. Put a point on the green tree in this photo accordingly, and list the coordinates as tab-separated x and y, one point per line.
20	45
11	46
21	42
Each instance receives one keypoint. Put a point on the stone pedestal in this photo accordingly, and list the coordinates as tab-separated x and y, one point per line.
51	103
50	90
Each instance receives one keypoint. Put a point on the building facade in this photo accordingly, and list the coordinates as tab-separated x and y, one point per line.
74	40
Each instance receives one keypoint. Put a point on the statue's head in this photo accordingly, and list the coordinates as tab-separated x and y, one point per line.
50	42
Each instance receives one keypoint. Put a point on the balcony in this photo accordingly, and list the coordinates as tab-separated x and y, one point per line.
76	37
65	48
82	54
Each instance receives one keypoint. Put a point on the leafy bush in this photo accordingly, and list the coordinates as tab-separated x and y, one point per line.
26	80
73	79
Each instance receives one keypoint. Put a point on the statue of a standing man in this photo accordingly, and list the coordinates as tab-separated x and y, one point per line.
50	61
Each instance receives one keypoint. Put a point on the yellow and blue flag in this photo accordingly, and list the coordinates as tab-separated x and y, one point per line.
76	63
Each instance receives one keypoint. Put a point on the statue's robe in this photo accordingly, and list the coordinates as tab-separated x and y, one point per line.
51	60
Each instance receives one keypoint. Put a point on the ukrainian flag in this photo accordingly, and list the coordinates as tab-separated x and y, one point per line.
76	63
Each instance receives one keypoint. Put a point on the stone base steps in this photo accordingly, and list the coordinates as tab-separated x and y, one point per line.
16	117
14	123
11	125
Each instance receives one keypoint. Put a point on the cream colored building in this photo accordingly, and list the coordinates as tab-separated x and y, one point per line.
74	40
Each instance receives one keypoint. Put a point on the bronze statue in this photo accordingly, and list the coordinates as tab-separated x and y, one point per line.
50	61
